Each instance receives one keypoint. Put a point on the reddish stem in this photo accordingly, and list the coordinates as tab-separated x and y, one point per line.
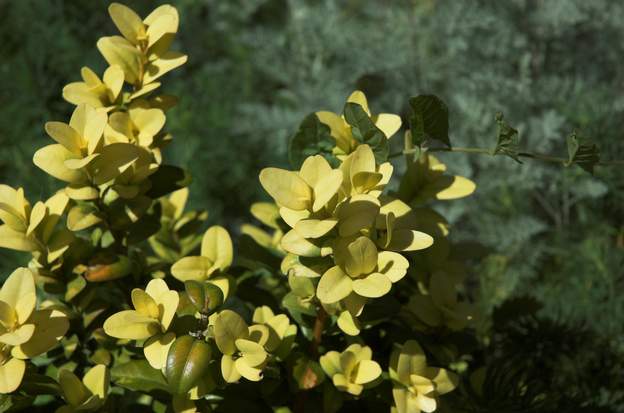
317	332
317	336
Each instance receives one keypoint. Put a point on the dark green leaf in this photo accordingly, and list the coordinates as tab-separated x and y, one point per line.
428	119
332	398
138	375
365	132
187	361
38	384
145	227
15	402
312	138
507	139
583	152
166	179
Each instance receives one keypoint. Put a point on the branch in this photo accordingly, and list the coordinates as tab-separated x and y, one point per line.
531	155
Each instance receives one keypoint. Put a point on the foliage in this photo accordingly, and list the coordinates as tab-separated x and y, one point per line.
98	228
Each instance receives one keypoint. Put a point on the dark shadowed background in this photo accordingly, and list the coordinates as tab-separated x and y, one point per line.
257	67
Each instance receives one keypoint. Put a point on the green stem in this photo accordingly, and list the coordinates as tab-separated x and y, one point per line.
482	151
531	155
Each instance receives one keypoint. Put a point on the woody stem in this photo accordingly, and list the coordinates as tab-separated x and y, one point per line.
317	332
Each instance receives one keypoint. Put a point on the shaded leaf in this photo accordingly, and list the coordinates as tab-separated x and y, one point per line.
365	131
583	152
428	119
507	139
312	138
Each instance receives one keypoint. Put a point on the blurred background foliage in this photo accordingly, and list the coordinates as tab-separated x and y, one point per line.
257	67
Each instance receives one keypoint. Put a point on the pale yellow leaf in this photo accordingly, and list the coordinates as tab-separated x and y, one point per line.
11	375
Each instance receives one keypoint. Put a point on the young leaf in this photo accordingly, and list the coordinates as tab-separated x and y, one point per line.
583	152
507	139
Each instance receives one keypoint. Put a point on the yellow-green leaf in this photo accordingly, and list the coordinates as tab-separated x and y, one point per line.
291	216
357	213
445	380
252	352
11	375
286	187
65	135
333	286
127	21
267	213
228	369
453	187
131	325
360	257
50	327
74	391
82	217
11	239
18	336
388	123
217	246
330	362
348	324
392	265
193	268
229	327
249	372
113	78
51	159
366	371
18	291
372	286
144	303
118	51
409	240
294	243
314	228
156	349
97	380
165	62
326	188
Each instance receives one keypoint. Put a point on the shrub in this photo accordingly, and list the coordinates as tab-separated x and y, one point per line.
346	296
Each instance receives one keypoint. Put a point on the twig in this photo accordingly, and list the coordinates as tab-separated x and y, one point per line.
489	152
